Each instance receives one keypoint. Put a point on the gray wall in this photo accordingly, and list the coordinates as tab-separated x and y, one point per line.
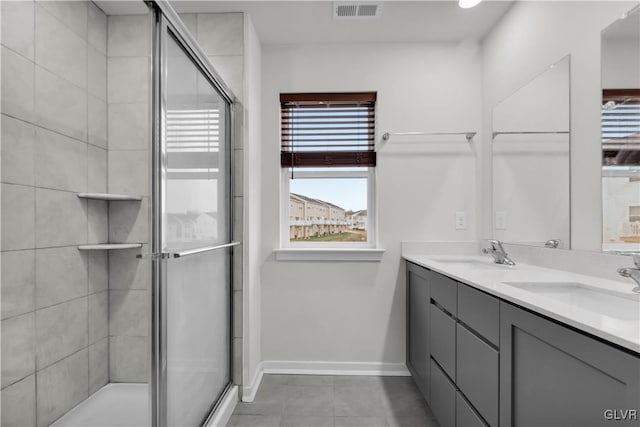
75	114
222	38
128	148
54	297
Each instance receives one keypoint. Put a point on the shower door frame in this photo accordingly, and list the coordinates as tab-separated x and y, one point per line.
164	21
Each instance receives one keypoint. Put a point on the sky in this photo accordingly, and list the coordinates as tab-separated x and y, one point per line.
348	193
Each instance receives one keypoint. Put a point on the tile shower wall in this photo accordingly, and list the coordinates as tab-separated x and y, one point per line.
54	138
128	50
221	37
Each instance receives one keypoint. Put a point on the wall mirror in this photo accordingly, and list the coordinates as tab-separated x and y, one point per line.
621	134
531	171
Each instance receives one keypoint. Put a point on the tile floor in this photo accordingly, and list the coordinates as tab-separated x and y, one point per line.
334	401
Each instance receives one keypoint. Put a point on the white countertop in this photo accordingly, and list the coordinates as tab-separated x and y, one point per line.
619	324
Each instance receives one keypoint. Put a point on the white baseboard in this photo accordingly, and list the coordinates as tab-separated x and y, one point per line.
222	415
249	392
334	368
321	368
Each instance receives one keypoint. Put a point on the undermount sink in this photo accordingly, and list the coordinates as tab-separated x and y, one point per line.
470	263
613	304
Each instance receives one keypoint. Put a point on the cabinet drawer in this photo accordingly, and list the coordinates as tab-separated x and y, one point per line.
477	374
443	397
445	292
479	311
443	340
465	415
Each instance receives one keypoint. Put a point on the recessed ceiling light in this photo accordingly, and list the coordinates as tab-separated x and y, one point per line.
466	4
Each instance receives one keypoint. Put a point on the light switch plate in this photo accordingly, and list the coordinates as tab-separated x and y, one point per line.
501	220
461	220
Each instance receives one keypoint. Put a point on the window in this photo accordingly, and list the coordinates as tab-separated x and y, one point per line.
328	158
620	127
620	169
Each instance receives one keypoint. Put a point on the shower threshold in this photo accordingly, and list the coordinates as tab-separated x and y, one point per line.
114	405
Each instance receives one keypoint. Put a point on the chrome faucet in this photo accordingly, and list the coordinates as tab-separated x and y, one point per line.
497	252
553	243
631	272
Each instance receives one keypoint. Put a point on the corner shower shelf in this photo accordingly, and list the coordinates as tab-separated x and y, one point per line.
109	246
110	197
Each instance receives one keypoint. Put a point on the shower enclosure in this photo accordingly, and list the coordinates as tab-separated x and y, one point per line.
117	219
191	269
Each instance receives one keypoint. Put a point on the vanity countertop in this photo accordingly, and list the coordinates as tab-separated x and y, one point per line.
613	313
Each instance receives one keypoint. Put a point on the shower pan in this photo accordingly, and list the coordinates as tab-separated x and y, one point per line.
118	310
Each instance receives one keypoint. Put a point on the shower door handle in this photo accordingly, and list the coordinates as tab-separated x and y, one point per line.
161	255
188	252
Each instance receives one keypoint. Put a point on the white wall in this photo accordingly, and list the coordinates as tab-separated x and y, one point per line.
531	189
252	201
531	172
531	36
620	70
541	105
238	61
346	311
621	64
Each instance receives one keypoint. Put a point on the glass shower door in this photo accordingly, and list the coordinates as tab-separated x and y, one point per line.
193	219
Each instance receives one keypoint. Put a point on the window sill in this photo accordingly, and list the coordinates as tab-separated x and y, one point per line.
333	254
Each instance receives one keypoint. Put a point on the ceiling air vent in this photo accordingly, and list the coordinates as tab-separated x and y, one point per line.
357	10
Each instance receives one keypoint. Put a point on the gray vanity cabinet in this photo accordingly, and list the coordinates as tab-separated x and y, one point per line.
480	312
444	307
444	292
551	375
450	360
418	303
480	361
466	416
443	397
477	369
443	340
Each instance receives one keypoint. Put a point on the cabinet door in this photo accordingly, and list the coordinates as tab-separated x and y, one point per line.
418	326
465	415
477	373
443	397
443	340
551	375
